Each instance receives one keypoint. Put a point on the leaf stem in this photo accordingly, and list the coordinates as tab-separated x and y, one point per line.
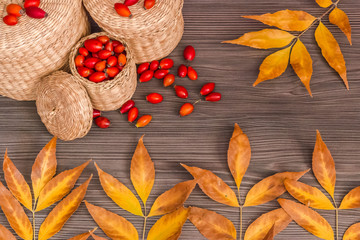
144	229
336	219
241	215
33	220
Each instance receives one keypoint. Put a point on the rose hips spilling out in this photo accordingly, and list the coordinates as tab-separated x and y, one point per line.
146	76
161	73
154	65
127	106
192	74
96	113
143	67
186	109
166	63
181	91
35	12
122	10
102	122
168	80
154	98
143	121
182	71
189	53
15	11
133	114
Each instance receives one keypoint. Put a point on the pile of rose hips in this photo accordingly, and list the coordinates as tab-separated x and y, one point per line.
123	8
15	11
100	59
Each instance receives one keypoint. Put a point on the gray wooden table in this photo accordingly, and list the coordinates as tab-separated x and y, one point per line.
278	116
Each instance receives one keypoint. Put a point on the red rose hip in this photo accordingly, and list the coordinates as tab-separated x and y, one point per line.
168	80
112	71
102	122
182	71
83	51
97	77
14	9
10	20
79	61
112	61
181	91
31	3
154	98
130	2
104	54
166	63
103	39
35	12
90	62
127	106
213	97
93	45
96	113
133	114
100	66
186	109
189	53
146	76
154	65
160	74
143	67
207	89
84	72
143	121
192	74
148	4
122	10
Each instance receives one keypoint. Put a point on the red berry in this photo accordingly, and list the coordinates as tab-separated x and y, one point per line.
192	74
79	61
133	114
166	63
181	92
95	55
90	62
122	60
84	72
103	39
160	74
14	9
154	65
207	89
189	53
143	67
112	71
10	20
186	109
97	77
100	66
168	80
130	2
122	10
146	76
182	71
93	45
115	43
31	3
119	49
149	4
35	12
127	106
143	121
84	52
102	122
213	97
154	98
112	61
104	54
96	113
109	46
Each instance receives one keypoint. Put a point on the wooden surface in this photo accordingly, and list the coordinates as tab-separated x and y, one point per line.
278	116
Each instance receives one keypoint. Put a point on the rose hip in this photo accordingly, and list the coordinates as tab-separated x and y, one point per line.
93	45
90	62
83	51
96	113
146	76
168	80
192	74
166	63
31	3
79	61
181	91
103	39
97	77
122	10
10	20
14	9
109	46
186	109
154	65
133	114
207	89
112	71
143	67
95	55
154	98
182	71
119	49
189	53
104	54
143	121
127	106
102	122
149	4
100	66
112	61
122	60
35	12
160	74
115	43
213	97
130	2
84	72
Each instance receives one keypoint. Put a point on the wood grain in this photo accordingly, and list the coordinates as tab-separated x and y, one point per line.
278	116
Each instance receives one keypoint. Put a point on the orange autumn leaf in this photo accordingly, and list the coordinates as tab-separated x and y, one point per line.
169	226
59	186
44	167
264	39
172	199
351	200
16	183
302	64
95	237
353	232
6	234
62	212
239	155
331	51
212	225
323	166
213	186
308	195
270	188
308	219
114	226
339	18
271	234
324	3
286	19
83	236
258	230
142	172
273	65
119	193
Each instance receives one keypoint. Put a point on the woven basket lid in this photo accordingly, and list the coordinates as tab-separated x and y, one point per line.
64	106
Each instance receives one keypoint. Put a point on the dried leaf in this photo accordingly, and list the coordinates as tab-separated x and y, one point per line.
351	200
83	236
286	20
264	39
270	188
239	155
172	199
353	232
16	183
119	193
271	234
213	186
323	166
324	3
44	167
339	18
59	187
6	234
114	226
62	212
302	64
142	171
261	226
308	219
331	51
212	225
95	237
169	226
274	65
15	214
308	195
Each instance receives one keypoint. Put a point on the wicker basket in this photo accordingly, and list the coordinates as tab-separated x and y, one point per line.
152	34
35	48
64	106
112	94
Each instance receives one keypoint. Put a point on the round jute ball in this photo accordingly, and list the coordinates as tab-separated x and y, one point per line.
35	48
152	34
111	94
64	106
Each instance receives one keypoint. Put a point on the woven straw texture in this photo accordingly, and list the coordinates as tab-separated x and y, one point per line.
152	34
64	106
112	94
35	48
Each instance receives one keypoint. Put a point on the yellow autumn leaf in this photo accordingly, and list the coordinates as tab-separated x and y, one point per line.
95	237
212	225
353	232
339	18
83	236
239	155
270	188
62	212
307	218
169	226
286	19
323	166
172	199
273	65
324	3
119	193
114	226
16	183
258	230
351	200
15	214
6	234
142	171
308	195
44	167
331	51
213	186
59	187
302	64
271	234
264	39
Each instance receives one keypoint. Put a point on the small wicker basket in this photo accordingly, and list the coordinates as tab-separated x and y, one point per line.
35	48
152	34
112	94
64	106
